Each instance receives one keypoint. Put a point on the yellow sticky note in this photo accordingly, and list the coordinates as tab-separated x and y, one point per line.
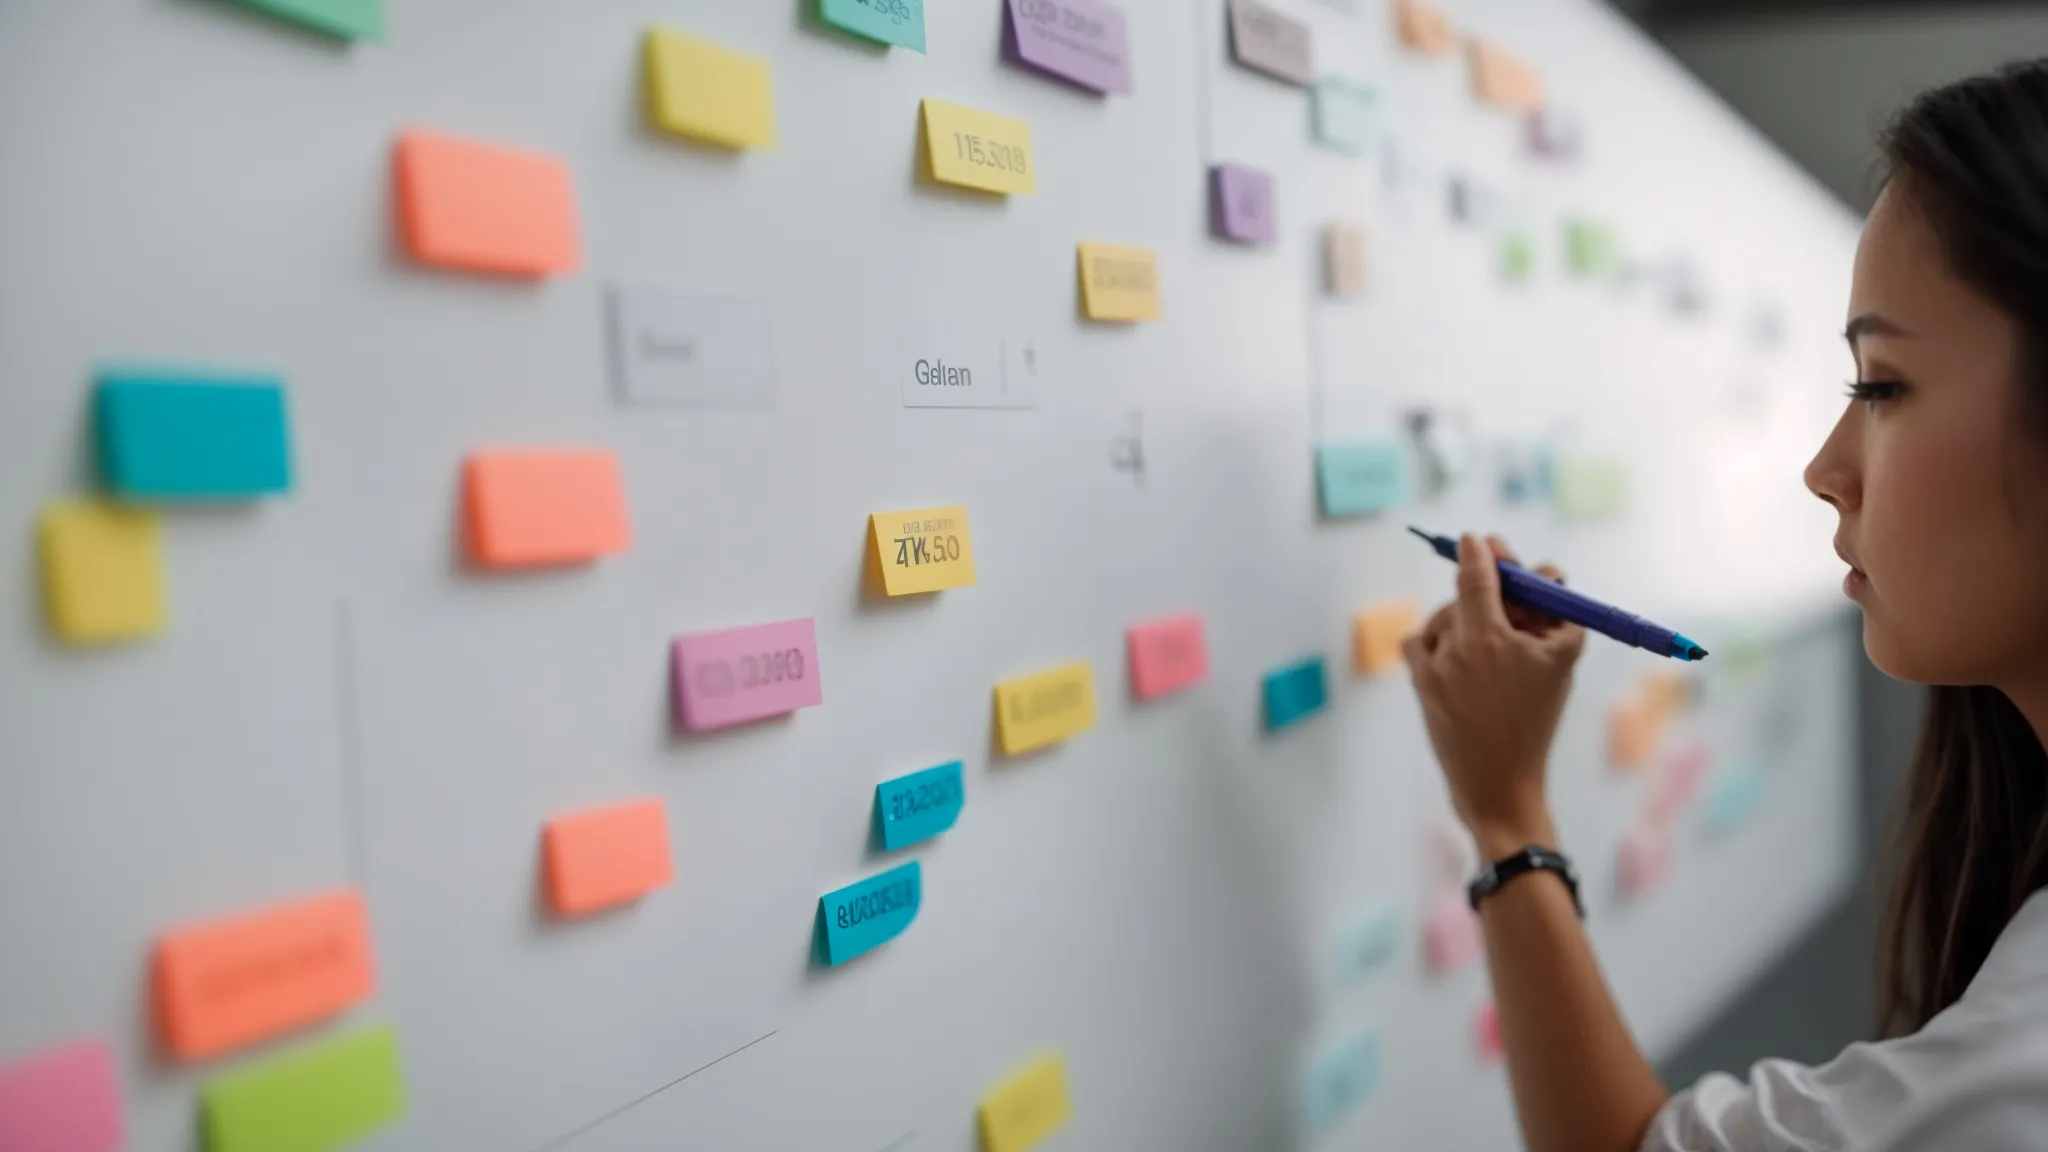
1045	707
920	550
975	149
697	89
1377	634
102	571
1031	1104
1119	284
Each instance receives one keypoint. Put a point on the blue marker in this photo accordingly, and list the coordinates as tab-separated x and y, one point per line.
1521	586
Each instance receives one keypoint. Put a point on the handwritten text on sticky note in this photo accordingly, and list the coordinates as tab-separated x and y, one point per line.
862	917
476	206
223	984
898	22
1028	1107
914	808
706	92
1167	656
1045	708
920	550
1083	42
745	674
600	857
970	148
1119	283
1267	40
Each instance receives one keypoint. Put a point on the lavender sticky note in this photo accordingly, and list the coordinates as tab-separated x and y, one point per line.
1242	204
1083	42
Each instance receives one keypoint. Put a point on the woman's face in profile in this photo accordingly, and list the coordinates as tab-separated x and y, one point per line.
1938	471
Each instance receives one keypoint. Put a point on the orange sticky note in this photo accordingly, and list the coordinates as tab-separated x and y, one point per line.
1377	634
531	507
474	206
1501	78
1665	694
1631	735
599	857
1423	27
225	983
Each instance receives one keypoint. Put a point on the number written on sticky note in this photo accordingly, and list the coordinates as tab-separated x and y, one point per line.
862	917
898	22
1119	284
745	674
921	550
914	808
970	148
1046	708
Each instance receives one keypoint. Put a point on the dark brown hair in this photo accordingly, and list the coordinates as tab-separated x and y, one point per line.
1973	157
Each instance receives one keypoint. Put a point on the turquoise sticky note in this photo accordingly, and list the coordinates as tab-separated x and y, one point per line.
898	22
165	436
348	19
1733	798
917	807
861	917
1367	944
1296	692
320	1098
1362	477
1341	1079
1345	115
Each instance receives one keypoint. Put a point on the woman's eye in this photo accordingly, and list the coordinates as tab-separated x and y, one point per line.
1875	390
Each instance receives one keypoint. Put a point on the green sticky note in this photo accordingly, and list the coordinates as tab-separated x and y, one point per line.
898	22
1517	257
1591	249
348	19
316	1099
1589	487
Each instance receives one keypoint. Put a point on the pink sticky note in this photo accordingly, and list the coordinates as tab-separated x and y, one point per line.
1486	1030
1167	656
1678	785
1647	853
742	674
62	1100
1451	935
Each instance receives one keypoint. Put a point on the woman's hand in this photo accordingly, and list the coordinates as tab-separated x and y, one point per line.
1493	679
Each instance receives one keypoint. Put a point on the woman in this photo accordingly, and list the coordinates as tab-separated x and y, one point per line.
1938	470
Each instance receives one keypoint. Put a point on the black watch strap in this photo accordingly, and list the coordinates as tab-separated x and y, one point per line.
1531	858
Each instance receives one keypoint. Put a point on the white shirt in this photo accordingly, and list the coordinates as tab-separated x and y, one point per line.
1976	1077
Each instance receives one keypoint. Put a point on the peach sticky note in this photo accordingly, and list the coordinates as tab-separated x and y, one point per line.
475	206
529	507
599	857
102	571
1167	656
226	983
1486	1033
1647	853
1502	79
1665	694
1376	636
1632	733
698	89
1451	936
62	1100
1423	27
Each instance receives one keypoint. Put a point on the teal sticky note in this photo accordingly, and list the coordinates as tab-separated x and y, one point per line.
1341	1079
1734	797
1296	692
1359	478
316	1099
917	807
1367	944
861	917
165	436
1345	115
348	19
898	22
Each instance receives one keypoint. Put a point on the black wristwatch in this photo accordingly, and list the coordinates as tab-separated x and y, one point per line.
1532	858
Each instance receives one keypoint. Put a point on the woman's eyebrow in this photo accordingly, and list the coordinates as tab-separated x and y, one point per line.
1871	324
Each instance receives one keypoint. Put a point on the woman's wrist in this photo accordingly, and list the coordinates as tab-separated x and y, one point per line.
1502	835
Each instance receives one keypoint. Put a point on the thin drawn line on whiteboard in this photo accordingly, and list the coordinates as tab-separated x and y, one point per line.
1205	120
902	1142
350	717
629	1105
1318	372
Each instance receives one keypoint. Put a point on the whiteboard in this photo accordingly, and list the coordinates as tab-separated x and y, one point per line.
337	701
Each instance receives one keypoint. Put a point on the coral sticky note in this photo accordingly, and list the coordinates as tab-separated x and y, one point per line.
347	19
1647	853
898	22
1486	1034
969	148
1295	693
596	858
1632	732
1451	934
1344	260
1167	656
1118	284
320	1098
862	917
1500	78
740	675
920	550
706	92
223	984
1423	27
535	507
1376	636
912	809
1342	1078
63	1099
1045	708
1027	1107
477	206
191	436
1362	477
1244	205
102	571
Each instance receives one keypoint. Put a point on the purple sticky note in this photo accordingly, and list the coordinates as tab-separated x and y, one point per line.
743	674
1242	204
1080	41
62	1100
